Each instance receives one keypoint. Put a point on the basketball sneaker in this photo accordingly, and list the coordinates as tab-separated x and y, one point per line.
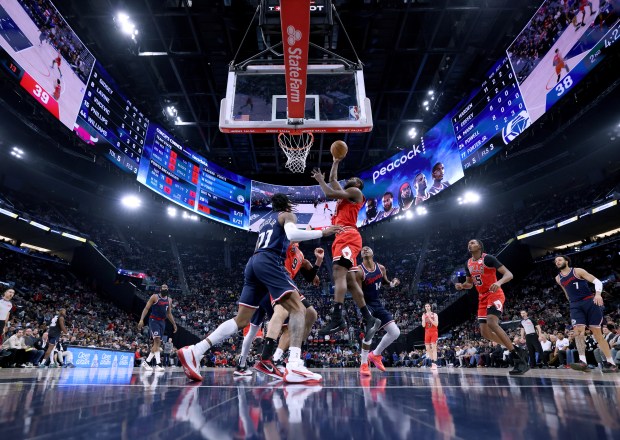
190	362
296	372
242	371
159	368
267	367
333	326
521	365
609	368
365	370
376	359
580	366
372	326
433	366
146	366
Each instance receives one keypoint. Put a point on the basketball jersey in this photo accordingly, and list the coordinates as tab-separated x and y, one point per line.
272	237
371	286
577	289
428	325
294	260
483	272
54	329
346	212
159	310
5	308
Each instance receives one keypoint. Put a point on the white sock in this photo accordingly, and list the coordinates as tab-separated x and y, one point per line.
392	332
582	358
364	356
611	361
294	354
157	358
247	344
278	354
224	331
150	357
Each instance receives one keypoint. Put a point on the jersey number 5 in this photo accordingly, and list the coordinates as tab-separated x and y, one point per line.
477	280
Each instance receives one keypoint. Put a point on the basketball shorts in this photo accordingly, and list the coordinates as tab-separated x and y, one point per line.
585	312
430	336
346	248
157	327
52	340
490	303
378	311
265	275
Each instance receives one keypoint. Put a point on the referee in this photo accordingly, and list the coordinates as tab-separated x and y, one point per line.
531	332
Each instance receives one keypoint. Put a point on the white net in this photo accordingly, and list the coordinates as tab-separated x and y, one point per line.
296	147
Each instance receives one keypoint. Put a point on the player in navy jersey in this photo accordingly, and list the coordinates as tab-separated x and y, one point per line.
265	275
372	277
161	308
481	270
586	309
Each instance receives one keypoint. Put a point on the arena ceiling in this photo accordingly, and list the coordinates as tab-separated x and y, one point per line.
407	47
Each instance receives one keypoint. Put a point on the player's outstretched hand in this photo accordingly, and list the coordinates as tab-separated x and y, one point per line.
140	325
493	287
318	175
395	282
316	281
598	299
458	286
334	229
175	329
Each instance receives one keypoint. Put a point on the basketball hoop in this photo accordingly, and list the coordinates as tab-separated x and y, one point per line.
296	147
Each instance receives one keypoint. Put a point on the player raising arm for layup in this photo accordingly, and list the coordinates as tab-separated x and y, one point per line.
586	308
345	249
481	272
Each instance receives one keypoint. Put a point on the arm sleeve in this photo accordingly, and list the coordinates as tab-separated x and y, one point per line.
294	234
491	261
467	273
309	274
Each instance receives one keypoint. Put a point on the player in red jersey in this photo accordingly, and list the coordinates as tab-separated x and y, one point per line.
481	270
57	89
430	322
346	247
559	64
582	9
57	61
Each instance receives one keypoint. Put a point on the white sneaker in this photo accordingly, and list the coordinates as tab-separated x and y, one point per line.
296	372
146	366
191	362
434	366
159	368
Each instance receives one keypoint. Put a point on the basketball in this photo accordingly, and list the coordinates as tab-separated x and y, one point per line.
339	150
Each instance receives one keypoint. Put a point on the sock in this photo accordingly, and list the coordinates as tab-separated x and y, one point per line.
364	356
294	354
278	354
392	332
582	358
224	331
365	313
157	358
150	357
202	347
247	344
611	361
268	346
338	310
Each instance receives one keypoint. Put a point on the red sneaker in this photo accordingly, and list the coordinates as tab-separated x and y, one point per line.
377	360
267	367
365	370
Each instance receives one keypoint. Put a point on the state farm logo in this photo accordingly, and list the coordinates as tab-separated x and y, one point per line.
293	35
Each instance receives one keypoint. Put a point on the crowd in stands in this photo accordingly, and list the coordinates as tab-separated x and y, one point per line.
44	287
213	269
